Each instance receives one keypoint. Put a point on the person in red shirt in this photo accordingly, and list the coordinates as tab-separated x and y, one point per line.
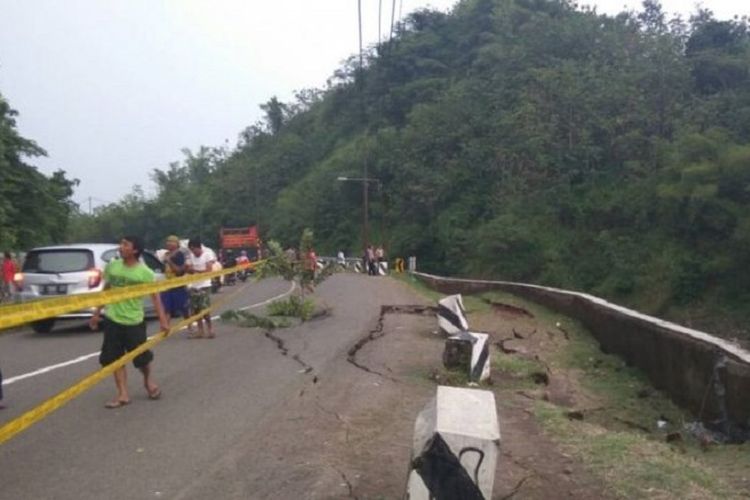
243	258
9	271
308	273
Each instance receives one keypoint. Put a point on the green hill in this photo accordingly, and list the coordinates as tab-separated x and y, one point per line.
514	139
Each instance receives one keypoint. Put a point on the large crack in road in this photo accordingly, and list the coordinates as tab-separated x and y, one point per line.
378	332
281	346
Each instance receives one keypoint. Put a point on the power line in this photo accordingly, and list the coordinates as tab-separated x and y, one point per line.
393	15
359	19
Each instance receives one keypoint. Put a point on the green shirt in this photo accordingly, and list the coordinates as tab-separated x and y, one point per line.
116	275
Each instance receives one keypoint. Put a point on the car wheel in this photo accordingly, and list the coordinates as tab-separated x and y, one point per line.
43	326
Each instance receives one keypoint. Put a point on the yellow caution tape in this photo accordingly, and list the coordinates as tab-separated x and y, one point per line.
26	312
23	422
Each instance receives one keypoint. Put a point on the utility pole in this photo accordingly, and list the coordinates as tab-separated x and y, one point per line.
90	211
365	191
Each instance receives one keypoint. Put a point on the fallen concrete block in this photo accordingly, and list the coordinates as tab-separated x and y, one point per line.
452	315
456	445
470	352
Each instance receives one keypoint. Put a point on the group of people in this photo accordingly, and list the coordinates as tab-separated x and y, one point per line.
124	323
182	302
372	258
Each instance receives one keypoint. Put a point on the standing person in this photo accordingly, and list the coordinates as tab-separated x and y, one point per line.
371	262
174	300
9	271
341	259
124	325
310	265
200	261
243	258
291	255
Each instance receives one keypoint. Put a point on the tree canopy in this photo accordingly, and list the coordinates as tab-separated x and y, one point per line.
513	139
34	209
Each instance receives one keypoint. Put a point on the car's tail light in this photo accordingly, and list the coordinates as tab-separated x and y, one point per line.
95	278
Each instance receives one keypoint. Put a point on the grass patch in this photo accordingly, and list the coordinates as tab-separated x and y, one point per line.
418	286
516	366
250	320
455	378
294	307
632	465
473	304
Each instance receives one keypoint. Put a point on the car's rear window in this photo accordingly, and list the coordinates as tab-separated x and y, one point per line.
58	261
111	254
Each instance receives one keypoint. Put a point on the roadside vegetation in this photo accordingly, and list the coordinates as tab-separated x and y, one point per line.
594	408
612	419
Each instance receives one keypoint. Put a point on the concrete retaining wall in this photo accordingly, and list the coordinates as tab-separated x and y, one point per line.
678	360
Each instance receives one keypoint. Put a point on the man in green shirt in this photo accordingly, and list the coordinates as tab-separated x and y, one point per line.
124	325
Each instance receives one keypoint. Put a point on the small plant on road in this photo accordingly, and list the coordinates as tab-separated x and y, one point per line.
279	263
294	306
249	320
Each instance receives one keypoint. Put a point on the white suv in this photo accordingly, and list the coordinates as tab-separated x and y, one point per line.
71	270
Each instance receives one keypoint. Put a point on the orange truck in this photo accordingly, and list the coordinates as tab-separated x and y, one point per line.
234	240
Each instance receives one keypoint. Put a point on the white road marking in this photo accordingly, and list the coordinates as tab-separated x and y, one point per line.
85	357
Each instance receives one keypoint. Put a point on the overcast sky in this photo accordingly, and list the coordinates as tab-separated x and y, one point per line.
115	88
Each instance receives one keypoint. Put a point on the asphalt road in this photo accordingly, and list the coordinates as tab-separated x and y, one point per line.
215	393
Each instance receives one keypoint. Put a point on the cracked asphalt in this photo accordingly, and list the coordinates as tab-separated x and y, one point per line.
229	422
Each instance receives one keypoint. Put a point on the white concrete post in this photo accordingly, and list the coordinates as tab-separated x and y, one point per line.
470	351
382	268
412	264
452	315
456	445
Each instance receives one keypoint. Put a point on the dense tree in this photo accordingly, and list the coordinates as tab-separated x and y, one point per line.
34	208
515	139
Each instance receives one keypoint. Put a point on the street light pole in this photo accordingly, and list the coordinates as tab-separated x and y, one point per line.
365	202
365	194
366	209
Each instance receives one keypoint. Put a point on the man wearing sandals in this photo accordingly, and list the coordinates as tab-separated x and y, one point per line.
200	261
124	324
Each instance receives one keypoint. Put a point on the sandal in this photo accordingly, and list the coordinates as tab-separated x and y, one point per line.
117	403
154	395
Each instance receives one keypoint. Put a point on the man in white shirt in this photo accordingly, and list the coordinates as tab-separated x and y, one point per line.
200	261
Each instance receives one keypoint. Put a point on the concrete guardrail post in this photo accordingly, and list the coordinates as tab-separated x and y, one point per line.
469	351
456	446
452	315
383	268
412	264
